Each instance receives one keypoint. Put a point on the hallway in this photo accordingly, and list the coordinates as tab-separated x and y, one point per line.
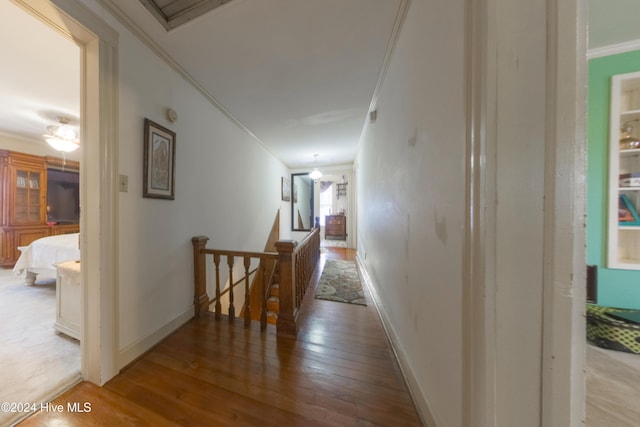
340	371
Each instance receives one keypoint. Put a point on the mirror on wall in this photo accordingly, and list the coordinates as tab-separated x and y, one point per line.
301	202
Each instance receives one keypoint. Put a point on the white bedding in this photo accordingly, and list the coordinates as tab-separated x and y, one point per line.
44	253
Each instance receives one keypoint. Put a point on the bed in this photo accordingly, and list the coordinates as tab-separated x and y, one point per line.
43	254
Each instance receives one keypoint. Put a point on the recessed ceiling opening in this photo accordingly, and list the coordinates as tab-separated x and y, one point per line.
173	13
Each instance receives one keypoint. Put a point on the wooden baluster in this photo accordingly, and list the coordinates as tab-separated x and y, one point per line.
263	292
247	300
307	264
232	309
286	323
216	262
305	276
200	297
300	274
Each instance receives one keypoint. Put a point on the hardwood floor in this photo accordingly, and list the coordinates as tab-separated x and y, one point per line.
340	371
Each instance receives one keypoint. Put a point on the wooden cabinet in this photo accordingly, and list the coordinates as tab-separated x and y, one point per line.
623	250
23	211
335	227
24	189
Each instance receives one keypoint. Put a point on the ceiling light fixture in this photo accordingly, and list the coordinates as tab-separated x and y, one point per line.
62	137
315	173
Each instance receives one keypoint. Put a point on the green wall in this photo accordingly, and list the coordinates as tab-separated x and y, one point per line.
616	288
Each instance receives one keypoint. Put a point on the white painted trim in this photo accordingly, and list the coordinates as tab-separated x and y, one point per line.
564	261
419	396
479	261
563	306
628	46
134	350
401	14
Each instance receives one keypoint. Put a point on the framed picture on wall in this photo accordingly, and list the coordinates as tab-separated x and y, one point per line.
286	189
159	161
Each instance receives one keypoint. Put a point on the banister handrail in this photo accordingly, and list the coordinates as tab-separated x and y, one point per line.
297	262
306	240
262	255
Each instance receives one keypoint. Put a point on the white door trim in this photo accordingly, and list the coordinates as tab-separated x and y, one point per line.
564	293
563	325
479	280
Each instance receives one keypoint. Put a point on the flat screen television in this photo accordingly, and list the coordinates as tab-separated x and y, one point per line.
63	197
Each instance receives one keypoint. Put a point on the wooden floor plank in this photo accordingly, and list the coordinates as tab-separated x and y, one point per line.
106	409
340	371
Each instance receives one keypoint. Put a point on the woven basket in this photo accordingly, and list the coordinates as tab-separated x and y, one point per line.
607	332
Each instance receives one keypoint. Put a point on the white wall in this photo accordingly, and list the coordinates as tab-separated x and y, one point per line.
411	210
227	187
410	174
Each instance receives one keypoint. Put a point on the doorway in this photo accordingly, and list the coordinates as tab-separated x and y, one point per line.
41	353
98	169
612	376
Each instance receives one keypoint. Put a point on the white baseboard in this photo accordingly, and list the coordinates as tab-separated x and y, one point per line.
136	349
422	403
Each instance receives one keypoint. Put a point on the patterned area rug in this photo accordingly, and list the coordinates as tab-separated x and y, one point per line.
340	282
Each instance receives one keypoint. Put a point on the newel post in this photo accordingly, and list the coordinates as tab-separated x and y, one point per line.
286	323
200	297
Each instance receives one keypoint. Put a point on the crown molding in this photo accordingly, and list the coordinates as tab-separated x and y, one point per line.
135	29
613	49
401	14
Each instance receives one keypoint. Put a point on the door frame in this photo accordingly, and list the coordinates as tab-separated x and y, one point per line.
563	263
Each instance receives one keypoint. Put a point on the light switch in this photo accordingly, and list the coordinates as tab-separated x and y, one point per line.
124	183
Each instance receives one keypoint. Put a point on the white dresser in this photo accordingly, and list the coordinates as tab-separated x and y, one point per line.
68	298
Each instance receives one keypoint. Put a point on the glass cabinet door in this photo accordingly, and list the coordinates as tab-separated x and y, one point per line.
28	197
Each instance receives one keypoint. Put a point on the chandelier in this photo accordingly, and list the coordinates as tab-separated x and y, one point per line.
62	137
315	173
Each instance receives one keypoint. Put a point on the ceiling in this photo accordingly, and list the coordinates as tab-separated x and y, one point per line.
613	22
38	81
300	75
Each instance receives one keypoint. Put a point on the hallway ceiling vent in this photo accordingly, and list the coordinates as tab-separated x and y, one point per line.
173	13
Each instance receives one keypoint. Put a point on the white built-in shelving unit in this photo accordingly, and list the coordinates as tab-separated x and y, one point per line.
624	236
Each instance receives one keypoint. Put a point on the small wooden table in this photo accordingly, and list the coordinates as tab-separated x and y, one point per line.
68	302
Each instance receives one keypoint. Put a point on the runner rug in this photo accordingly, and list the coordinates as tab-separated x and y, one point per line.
340	282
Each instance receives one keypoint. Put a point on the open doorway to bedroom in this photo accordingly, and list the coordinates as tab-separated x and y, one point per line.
40	351
613	356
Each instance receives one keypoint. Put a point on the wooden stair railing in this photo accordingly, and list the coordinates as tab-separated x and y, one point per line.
296	264
202	300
